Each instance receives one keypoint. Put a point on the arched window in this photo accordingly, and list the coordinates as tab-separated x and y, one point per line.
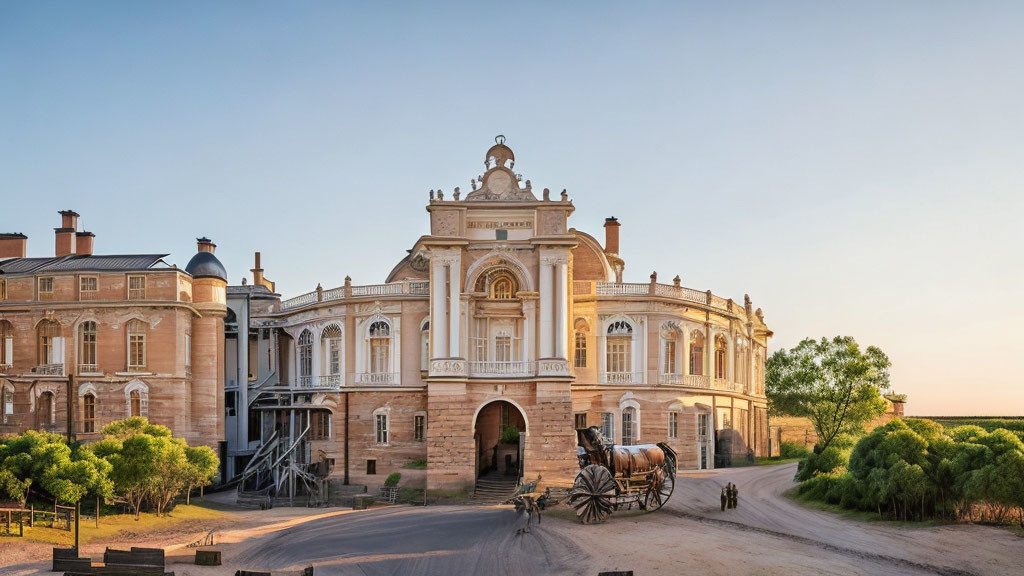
45	409
629	426
6	346
720	356
305	344
697	353
136	396
134	403
51	347
380	346
425	346
8	409
669	351
580	348
619	354
136	345
87	347
89	413
330	343
498	284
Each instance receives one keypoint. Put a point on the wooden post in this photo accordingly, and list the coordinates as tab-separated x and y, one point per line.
78	512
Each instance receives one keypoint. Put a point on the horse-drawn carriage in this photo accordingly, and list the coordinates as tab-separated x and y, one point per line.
612	476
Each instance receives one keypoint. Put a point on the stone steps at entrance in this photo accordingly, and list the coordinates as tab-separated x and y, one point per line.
493	489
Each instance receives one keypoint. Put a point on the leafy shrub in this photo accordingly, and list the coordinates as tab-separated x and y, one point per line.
793	450
510	435
836	456
392	480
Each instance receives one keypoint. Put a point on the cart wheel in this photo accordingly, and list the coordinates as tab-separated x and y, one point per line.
593	494
663	481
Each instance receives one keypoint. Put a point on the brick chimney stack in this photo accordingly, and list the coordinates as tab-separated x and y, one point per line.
65	236
13	245
84	243
204	244
611	235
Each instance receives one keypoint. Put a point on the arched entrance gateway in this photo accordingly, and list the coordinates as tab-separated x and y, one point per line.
499	434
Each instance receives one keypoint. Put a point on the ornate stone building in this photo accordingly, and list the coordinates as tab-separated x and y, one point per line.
503	316
86	339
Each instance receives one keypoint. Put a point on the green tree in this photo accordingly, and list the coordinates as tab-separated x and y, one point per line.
832	383
203	465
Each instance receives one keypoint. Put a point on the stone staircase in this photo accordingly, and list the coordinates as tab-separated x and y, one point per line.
494	489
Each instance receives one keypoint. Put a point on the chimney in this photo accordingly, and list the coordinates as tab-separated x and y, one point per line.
13	245
65	239
83	243
257	276
205	245
611	235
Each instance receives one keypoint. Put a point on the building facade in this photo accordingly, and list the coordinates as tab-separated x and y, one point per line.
87	339
501	332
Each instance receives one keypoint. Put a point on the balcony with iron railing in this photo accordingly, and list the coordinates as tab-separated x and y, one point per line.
673	291
622	377
500	369
49	369
403	288
88	368
377	378
330	381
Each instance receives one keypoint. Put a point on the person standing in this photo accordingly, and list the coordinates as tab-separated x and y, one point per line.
725	499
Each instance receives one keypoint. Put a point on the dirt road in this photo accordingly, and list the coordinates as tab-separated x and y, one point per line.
767	534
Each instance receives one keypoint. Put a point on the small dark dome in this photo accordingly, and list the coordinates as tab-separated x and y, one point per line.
206	265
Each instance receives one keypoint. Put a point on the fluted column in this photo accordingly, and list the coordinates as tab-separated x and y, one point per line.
454	303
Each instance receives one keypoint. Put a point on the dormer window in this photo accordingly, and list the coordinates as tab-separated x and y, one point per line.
46	288
87	287
136	287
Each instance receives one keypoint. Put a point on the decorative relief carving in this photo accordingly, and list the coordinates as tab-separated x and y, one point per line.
554	260
444	224
553	367
448	367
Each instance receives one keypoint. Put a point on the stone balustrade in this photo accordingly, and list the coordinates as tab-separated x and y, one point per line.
496	369
621	377
377	378
413	288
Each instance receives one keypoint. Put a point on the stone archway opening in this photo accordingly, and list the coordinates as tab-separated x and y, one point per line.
499	432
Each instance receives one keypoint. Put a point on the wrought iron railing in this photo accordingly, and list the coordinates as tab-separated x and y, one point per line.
622	377
50	369
330	380
376	378
487	369
88	368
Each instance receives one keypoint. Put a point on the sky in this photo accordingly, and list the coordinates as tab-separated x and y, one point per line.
857	169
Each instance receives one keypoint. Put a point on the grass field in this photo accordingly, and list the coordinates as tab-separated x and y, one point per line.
1014	423
123	527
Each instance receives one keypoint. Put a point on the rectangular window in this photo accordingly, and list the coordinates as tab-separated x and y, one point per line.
3	289
319	425
87	362
504	416
500	234
46	288
136	287
608	425
371	467
379	348
87	287
673	425
136	351
696	360
188	353
334	362
669	366
503	348
580	420
619	350
419	427
381	426
580	356
8	404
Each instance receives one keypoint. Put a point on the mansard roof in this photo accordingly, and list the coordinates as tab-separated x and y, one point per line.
82	263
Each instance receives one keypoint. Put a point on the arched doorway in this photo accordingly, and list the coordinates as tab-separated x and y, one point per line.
499	432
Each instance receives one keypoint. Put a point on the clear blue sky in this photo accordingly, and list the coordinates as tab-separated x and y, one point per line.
857	170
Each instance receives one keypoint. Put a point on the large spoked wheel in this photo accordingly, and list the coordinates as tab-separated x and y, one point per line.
663	481
593	494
